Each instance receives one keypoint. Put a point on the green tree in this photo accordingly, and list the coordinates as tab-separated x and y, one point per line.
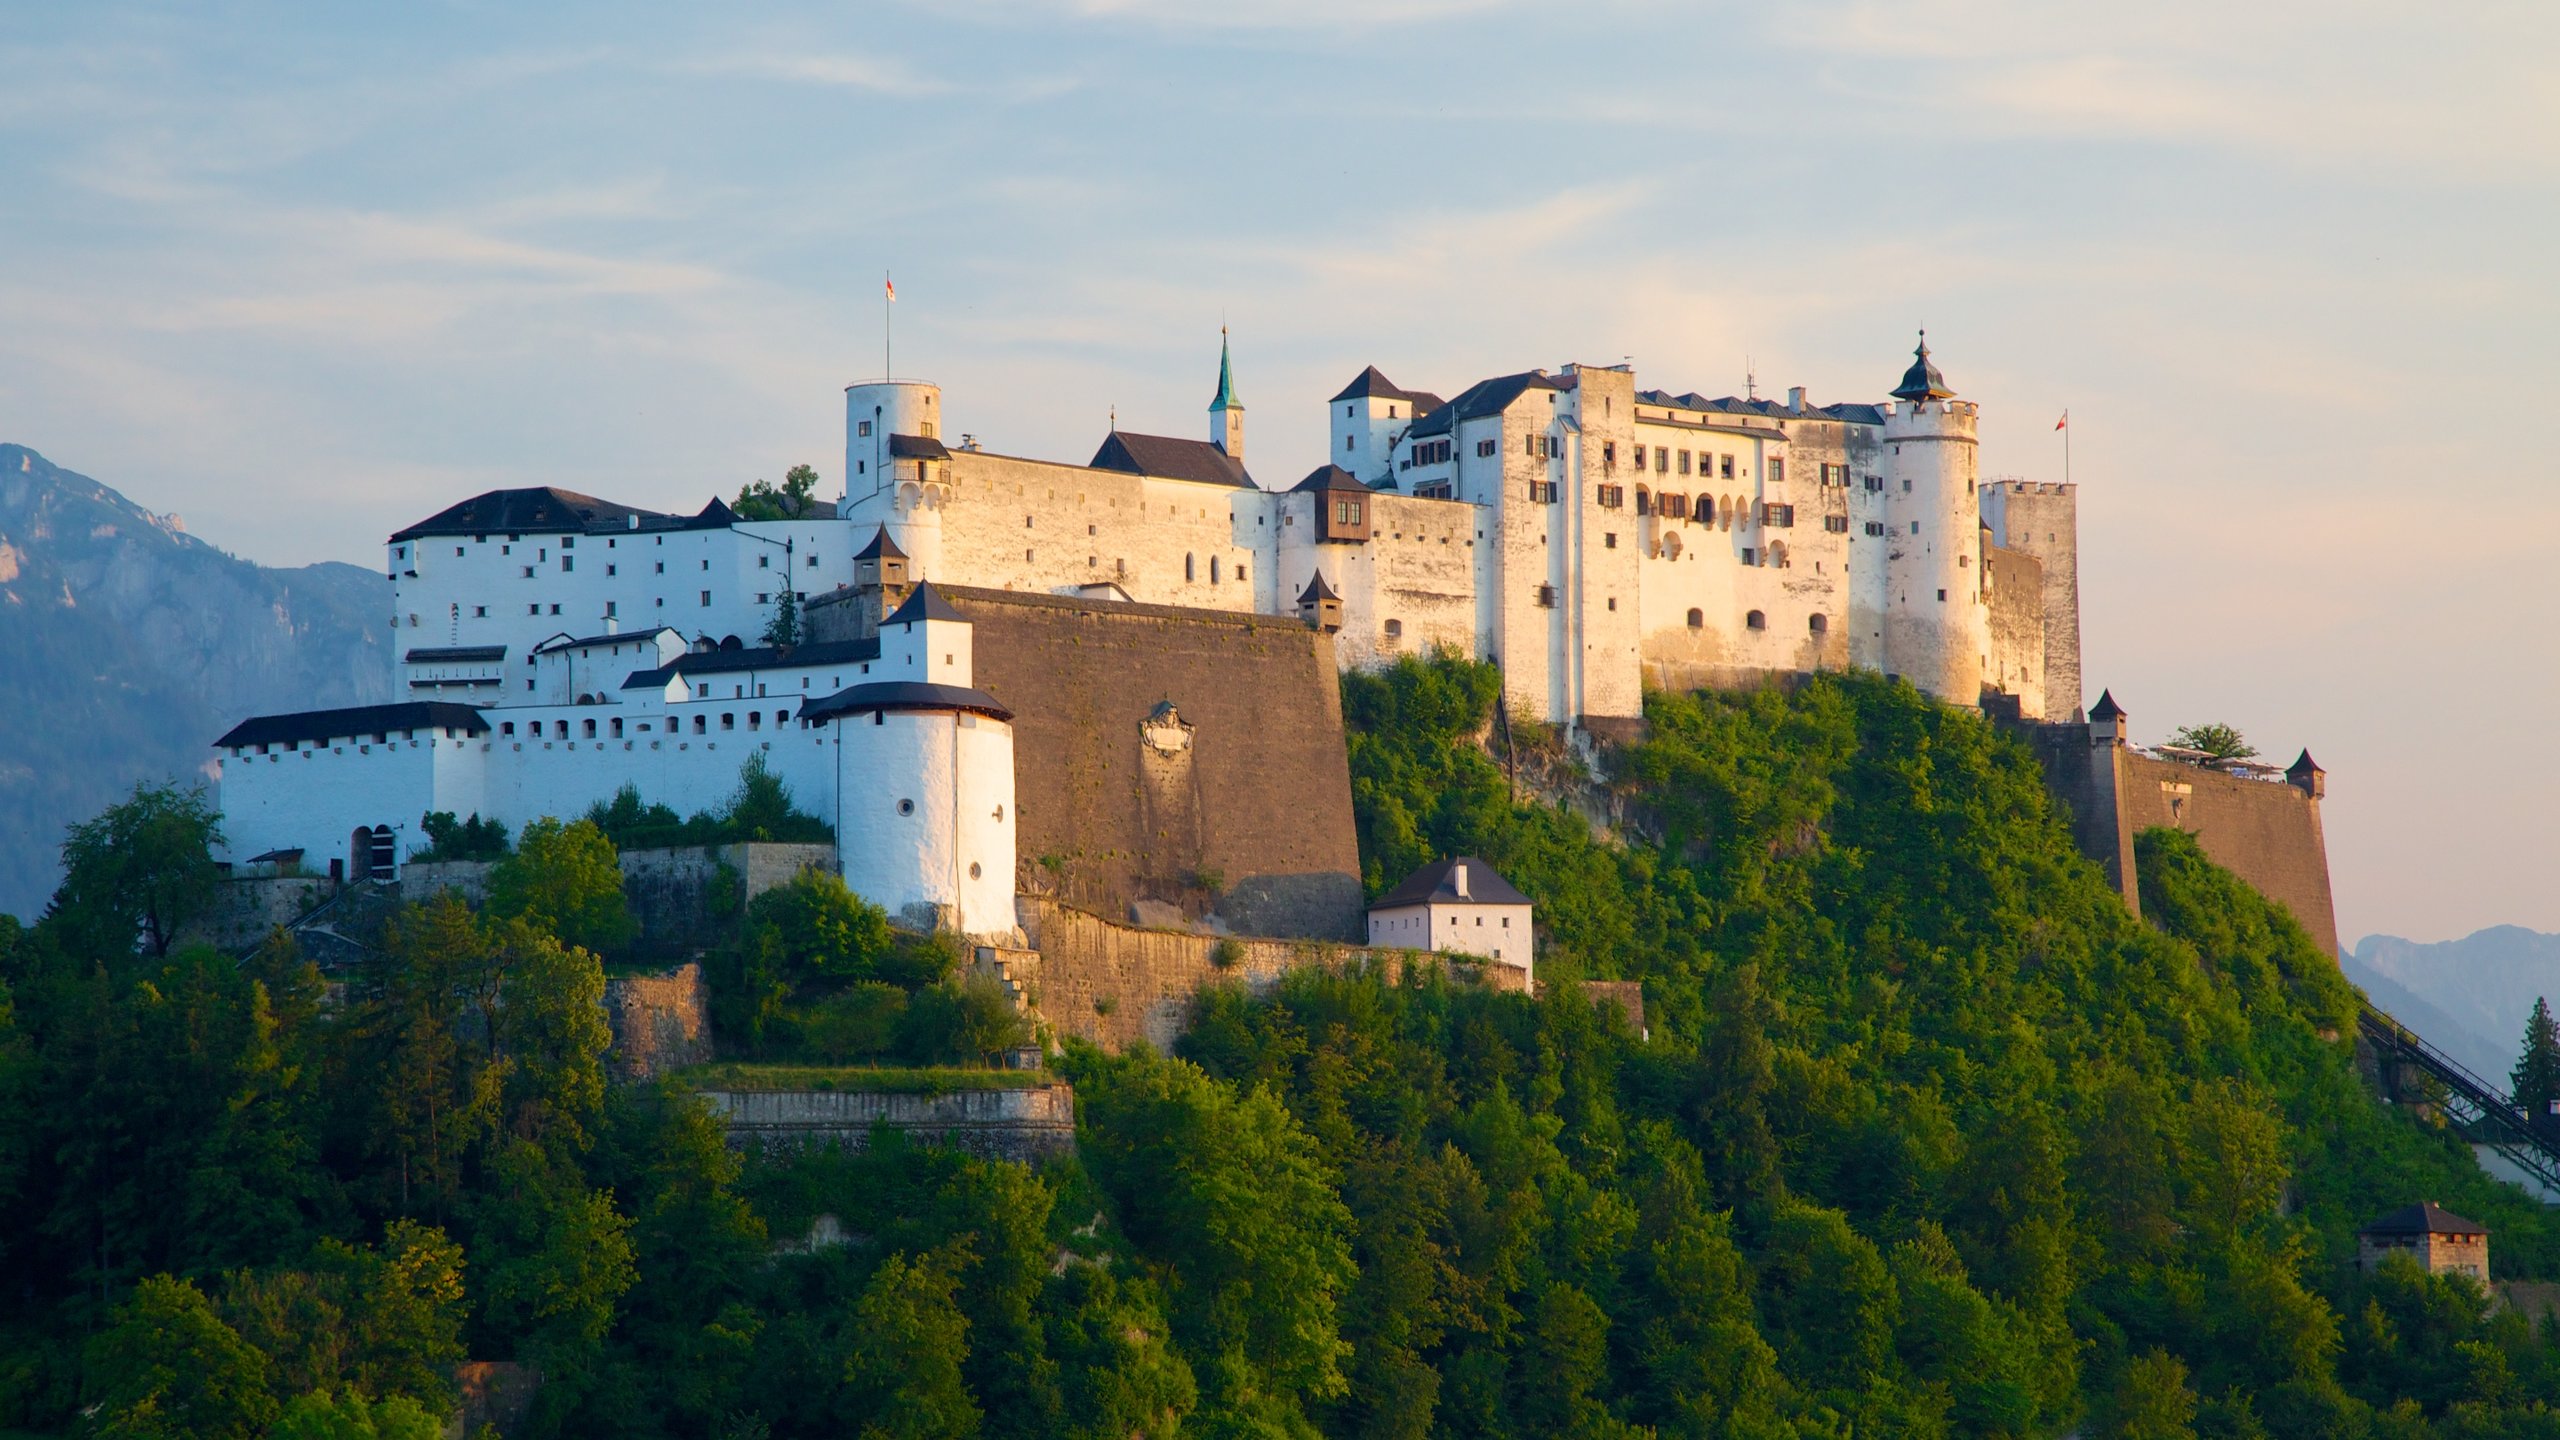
909	1341
429	1039
782	631
2150	1401
1827	1297
566	879
2537	1074
348	1415
449	838
139	873
2217	741
552	1034
167	1366
762	500
557	1260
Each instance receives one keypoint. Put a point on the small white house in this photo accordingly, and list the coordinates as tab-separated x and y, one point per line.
1458	905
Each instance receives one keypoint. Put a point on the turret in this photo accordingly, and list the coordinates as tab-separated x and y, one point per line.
897	470
1937	623
881	564
1226	412
2305	775
925	815
1319	607
2106	720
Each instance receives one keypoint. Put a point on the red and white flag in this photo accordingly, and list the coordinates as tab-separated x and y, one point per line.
887	284
2064	421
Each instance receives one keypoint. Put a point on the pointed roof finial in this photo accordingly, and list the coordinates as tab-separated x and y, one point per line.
1922	381
1225	399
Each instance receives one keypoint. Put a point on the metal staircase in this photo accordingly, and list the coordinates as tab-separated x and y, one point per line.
2482	1109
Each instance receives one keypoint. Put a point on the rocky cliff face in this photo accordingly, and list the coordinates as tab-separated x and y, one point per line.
132	644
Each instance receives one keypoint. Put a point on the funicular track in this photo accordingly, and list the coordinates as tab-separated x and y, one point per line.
2484	1111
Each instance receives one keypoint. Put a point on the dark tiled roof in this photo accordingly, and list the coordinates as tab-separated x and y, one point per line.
1922	381
762	657
1847	412
1329	477
2303	764
904	695
1371	384
1317	590
917	447
881	548
1166	458
516	512
927	603
1485	397
1437	882
453	654
360	720
2424	1218
2106	708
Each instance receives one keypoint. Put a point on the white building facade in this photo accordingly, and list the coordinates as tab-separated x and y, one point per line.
1459	906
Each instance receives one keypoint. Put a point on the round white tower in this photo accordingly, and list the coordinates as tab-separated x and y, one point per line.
924	808
1936	626
895	465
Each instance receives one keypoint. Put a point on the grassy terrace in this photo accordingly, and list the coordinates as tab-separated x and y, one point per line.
882	1079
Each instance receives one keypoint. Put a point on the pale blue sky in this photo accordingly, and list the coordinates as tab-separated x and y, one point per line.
304	273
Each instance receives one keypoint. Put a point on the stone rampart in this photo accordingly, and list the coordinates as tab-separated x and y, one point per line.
660	1022
2264	831
683	897
1029	1124
245	911
1189	758
1114	985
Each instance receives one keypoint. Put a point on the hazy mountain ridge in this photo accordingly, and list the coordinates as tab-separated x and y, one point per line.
2485	983
138	644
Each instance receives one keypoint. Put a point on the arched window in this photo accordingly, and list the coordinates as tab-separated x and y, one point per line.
1756	620
1213	569
1187	573
1697	620
1818	624
1395	631
700	722
587	728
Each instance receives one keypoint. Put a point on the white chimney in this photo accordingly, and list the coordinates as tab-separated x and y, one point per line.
1795	397
1460	876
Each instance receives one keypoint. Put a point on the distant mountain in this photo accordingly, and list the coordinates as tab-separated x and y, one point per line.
2485	983
132	644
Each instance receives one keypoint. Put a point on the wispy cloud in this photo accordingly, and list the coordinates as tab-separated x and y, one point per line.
876	74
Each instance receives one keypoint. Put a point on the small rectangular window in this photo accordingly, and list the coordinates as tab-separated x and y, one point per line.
862	429
1727	471
706	599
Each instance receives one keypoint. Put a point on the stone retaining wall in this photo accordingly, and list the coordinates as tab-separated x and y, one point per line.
1029	1125
660	1023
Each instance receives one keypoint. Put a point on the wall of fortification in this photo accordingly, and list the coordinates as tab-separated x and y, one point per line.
1241	812
1115	985
2266	832
1032	1124
680	898
2017	659
2084	771
660	1022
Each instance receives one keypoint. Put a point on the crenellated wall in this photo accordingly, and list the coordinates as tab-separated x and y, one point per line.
1031	1124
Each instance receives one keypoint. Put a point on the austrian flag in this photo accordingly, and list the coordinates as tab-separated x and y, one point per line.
891	286
2064	421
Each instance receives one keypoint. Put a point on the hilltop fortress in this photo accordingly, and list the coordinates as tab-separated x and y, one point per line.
1111	683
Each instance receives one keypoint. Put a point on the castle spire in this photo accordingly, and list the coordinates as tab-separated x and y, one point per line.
1226	412
1922	381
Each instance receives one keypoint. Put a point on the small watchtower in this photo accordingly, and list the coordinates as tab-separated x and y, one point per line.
2442	1242
1319	607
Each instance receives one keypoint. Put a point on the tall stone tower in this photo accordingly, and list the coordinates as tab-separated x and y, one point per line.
1226	412
1937	630
896	468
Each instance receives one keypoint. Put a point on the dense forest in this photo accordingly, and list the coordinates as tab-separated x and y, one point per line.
1929	1136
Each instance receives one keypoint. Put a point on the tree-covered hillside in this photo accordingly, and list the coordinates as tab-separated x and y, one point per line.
1929	1137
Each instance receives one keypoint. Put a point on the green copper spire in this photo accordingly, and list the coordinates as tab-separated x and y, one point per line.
1225	399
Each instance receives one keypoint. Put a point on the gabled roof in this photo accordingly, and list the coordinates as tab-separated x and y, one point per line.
453	654
1316	591
1922	381
1166	458
357	720
590	642
1485	397
927	603
1436	883
1372	384
2424	1218
880	548
917	447
1329	477
761	657
516	512
904	695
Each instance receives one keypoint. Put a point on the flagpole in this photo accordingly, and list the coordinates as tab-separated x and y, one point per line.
888	295
2066	445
